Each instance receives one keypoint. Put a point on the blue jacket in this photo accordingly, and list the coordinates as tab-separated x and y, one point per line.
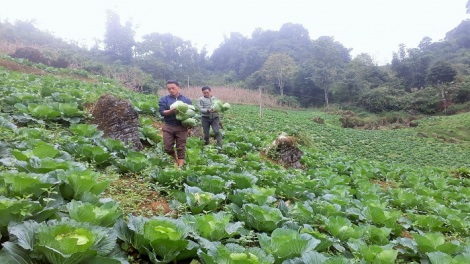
164	104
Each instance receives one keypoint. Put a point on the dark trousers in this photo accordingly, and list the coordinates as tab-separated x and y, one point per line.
207	123
172	135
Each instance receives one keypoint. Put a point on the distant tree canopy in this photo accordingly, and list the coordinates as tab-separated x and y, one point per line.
26	33
312	72
279	68
441	72
326	63
167	57
119	39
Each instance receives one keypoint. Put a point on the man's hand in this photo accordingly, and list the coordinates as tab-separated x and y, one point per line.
212	111
170	112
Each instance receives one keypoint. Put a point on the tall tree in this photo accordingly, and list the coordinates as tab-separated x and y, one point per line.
230	55
411	66
361	74
441	72
167	57
327	62
118	39
279	68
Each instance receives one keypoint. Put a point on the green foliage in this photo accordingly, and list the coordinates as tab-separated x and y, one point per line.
150	134
359	195
289	101
373	253
213	226
379	100
286	243
424	101
134	162
441	72
233	253
13	210
199	201
279	69
19	184
262	218
64	241
81	185
119	40
162	239
104	215
189	122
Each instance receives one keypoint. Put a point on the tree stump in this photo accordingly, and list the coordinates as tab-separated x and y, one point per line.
196	131
118	120
284	150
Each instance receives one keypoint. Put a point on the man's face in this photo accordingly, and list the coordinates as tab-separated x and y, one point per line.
173	89
206	93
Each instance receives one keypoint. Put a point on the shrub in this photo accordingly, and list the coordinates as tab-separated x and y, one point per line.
425	101
351	121
379	100
290	101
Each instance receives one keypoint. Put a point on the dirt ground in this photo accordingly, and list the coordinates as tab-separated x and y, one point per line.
14	66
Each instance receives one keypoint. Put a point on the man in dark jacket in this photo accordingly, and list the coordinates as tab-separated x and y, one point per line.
173	129
209	117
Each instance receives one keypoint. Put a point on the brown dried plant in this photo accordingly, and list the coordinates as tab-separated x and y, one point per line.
232	95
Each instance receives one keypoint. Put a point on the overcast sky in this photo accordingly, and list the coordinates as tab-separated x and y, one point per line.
376	27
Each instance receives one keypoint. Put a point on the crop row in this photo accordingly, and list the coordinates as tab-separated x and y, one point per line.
234	206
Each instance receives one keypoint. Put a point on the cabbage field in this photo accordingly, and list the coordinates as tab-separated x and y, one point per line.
363	196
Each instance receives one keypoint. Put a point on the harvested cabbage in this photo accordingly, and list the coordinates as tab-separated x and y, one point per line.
225	107
189	122
180	106
188	114
217	105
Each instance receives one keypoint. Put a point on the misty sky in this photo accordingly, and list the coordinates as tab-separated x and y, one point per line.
376	27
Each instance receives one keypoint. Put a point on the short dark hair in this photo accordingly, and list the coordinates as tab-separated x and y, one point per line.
172	82
206	88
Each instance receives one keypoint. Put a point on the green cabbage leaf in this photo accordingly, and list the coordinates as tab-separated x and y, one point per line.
190	122
236	254
104	215
213	226
162	239
64	241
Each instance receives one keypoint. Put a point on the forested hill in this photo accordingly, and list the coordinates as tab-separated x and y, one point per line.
69	195
432	78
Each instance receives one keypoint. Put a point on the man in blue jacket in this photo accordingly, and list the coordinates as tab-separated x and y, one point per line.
173	130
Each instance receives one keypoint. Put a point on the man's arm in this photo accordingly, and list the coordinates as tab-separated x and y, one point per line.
200	104
164	108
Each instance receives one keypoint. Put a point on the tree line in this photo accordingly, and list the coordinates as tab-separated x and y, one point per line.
307	72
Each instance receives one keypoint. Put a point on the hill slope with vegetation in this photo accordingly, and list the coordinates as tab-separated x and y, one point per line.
384	175
70	196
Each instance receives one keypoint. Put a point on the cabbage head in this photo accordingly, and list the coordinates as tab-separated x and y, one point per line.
190	122
162	239
217	105
185	115
65	241
180	106
225	107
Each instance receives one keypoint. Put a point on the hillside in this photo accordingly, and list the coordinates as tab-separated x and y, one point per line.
363	196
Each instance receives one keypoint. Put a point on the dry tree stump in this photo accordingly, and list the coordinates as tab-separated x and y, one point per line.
285	151
118	120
